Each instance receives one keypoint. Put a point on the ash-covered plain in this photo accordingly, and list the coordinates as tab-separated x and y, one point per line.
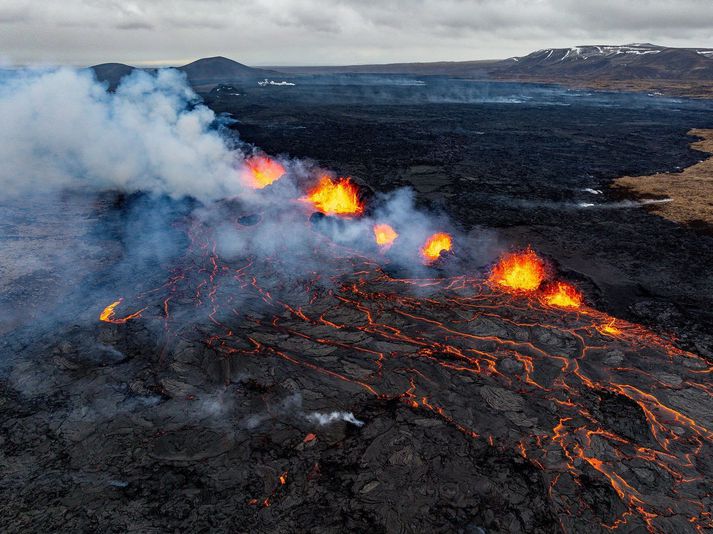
215	338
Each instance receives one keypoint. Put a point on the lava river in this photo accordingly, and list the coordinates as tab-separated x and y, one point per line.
593	403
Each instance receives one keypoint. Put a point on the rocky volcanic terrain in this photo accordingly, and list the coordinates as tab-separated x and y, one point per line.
379	404
223	393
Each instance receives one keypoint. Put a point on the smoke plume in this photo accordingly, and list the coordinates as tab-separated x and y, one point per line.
327	418
62	129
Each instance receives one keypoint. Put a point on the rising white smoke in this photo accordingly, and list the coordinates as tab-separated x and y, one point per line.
323	419
61	129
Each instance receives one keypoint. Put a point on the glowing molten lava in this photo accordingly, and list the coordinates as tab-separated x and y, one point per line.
519	271
563	295
262	171
107	315
339	197
434	245
610	329
384	235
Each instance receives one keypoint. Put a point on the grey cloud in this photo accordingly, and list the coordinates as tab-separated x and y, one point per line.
134	25
201	23
342	31
13	14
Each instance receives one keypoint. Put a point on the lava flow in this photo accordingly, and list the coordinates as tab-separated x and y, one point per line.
596	411
435	245
262	171
563	295
610	329
519	271
384	235
107	314
340	197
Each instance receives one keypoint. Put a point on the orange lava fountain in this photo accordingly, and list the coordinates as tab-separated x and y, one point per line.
519	271
434	245
107	314
563	295
340	197
262	171
384	235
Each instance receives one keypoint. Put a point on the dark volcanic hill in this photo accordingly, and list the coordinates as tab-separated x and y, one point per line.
204	73
626	62
219	69
111	73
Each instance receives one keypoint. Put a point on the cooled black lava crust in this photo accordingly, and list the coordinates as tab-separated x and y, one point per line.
516	158
459	408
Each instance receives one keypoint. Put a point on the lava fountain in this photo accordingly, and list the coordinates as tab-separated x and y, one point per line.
384	235
340	197
434	245
562	295
519	271
262	171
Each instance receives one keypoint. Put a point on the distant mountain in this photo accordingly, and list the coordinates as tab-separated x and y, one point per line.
111	73
442	68
202	74
214	70
637	66
638	61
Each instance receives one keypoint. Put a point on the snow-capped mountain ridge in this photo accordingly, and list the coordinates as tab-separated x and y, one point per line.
634	60
589	51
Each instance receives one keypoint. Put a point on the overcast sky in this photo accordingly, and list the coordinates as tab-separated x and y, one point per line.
318	32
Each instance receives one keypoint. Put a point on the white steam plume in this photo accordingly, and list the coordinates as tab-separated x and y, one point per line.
60	128
323	419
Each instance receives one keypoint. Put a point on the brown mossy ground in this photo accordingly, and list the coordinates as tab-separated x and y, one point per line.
690	191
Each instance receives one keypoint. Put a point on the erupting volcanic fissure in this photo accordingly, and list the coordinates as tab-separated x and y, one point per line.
563	295
519	271
389	344
295	348
263	171
340	197
435	245
515	359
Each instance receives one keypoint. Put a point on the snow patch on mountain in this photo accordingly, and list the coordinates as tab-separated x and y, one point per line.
591	51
